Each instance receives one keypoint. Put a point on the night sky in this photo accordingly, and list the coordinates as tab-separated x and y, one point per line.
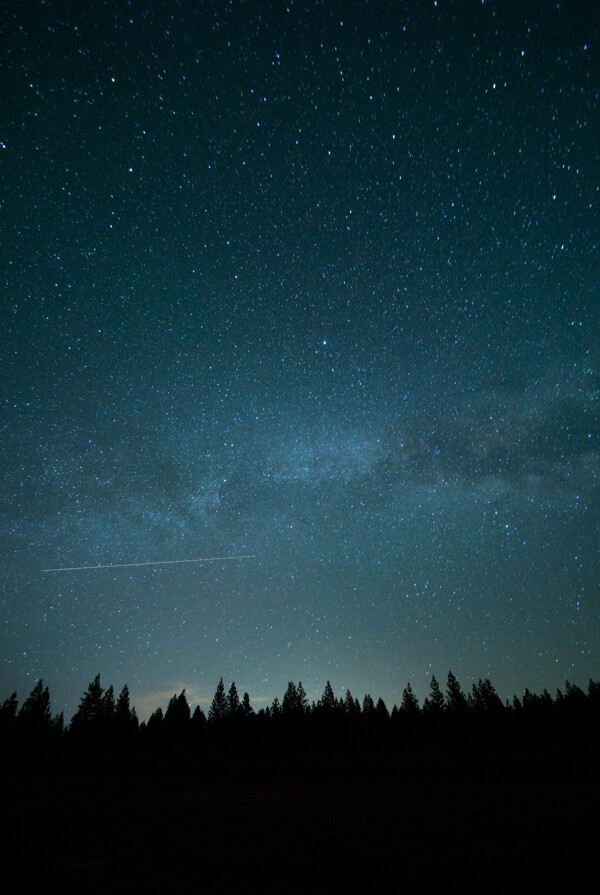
315	284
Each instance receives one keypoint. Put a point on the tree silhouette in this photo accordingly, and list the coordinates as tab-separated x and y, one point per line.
575	696
368	706
409	706
456	700
35	711
530	700
435	703
9	708
247	710
484	700
303	706
328	701
198	720
381	711
218	708
474	721
295	702
58	724
328	707
289	704
177	715
125	716
351	705
155	722
108	706
233	708
593	693
91	707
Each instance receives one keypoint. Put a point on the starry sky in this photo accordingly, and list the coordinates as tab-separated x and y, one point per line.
316	284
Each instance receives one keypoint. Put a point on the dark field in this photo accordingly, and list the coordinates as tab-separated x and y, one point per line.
197	833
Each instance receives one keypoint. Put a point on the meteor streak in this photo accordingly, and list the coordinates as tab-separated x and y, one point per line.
161	562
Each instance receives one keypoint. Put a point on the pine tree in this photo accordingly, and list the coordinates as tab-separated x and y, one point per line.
575	696
327	702
351	707
289	705
247	710
435	703
177	715
457	701
485	698
35	711
9	708
302	699
198	721
517	705
58	724
91	707
234	706
368	706
122	709
108	705
546	701
528	701
593	693
125	716
218	708
171	709
155	721
409	706
381	711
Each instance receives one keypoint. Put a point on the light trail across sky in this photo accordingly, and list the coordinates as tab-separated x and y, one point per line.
161	562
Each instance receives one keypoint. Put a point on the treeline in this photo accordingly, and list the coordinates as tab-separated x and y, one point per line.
445	717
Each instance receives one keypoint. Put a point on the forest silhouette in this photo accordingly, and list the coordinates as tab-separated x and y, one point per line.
300	795
447	721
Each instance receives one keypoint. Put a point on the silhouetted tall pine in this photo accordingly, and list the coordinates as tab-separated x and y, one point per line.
247	710
456	701
198	721
484	700
327	703
368	706
218	708
8	721
351	706
434	704
126	720
409	708
177	716
35	712
233	706
90	713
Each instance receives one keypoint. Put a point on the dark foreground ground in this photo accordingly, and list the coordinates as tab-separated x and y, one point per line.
206	831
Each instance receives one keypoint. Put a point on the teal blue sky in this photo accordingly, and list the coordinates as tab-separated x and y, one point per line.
316	284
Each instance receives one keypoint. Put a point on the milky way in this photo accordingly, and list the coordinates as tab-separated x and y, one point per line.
316	283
